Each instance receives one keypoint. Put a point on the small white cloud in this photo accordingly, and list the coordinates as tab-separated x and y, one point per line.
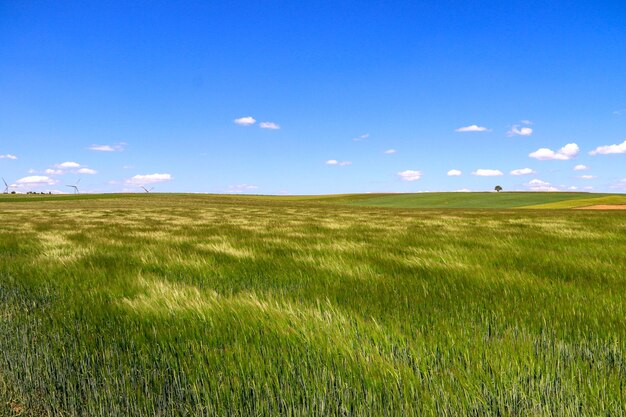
148	179
540	185
587	177
87	171
390	151
241	188
567	152
526	122
410	175
609	149
362	137
34	180
68	165
573	188
339	163
522	171
464	190
8	156
472	128
619	112
245	121
53	171
269	125
488	173
516	130
581	167
454	173
118	147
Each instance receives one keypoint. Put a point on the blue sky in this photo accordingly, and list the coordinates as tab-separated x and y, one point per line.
345	96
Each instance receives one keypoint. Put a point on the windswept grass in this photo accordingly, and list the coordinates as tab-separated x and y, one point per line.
236	306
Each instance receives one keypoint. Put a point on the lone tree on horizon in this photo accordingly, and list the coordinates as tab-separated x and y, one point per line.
498	188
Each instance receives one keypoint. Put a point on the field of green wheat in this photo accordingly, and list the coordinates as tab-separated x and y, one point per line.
183	305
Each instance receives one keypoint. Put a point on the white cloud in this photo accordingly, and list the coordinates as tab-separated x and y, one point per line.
454	173
463	190
587	177
68	165
609	149
34	180
516	130
619	112
581	167
573	188
340	163
362	137
410	175
148	179
488	173
240	188
522	171
472	128
390	151
526	122
245	121
567	152
269	125
88	171
118	147
8	156
539	185
52	171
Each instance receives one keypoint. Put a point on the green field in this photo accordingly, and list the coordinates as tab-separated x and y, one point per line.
198	305
487	200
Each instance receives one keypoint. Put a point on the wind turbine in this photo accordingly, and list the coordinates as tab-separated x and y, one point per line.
146	190
6	187
75	187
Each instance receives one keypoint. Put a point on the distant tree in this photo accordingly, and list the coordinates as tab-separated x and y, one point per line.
498	188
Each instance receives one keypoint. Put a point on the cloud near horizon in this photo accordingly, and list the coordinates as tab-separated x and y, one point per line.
240	188
540	185
410	175
487	173
148	179
472	128
454	173
523	171
34	181
118	147
68	164
567	152
609	149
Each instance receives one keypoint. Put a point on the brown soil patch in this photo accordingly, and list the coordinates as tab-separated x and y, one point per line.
604	207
